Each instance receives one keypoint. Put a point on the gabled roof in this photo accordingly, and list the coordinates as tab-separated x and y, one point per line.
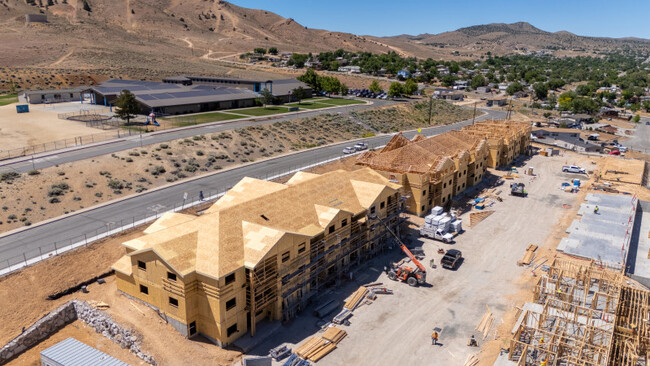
245	224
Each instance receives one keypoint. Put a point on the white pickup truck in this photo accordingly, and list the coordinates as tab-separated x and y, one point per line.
573	169
436	234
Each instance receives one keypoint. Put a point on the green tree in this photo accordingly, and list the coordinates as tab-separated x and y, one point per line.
634	107
344	89
636	118
410	87
646	105
374	87
448	80
541	90
555	84
583	89
298	93
514	87
273	50
330	84
128	106
266	97
566	100
396	89
311	78
478	81
260	50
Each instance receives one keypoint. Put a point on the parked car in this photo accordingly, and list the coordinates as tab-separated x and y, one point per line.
451	259
573	169
349	150
361	146
614	152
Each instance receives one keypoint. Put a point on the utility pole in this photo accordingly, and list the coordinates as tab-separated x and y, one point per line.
430	108
474	116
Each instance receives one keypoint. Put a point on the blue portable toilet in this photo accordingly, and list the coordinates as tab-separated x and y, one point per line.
22	108
576	182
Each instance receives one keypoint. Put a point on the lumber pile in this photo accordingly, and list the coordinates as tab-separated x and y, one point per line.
316	348
485	323
356	298
476	217
471	360
528	257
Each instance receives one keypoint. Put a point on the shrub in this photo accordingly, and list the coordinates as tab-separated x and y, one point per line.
199	152
60	173
98	194
190	168
54	200
33	172
9	176
134	153
129	160
12	217
157	170
115	184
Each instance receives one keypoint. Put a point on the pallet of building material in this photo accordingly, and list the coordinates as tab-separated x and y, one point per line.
322	352
356	298
528	256
317	348
311	343
334	335
382	290
471	360
342	317
476	217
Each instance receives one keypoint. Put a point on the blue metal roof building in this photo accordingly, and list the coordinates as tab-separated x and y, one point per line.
71	352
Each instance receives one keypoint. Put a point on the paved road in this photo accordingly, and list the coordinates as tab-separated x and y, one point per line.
640	141
25	164
14	248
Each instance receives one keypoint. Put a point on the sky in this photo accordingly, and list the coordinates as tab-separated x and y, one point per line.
600	18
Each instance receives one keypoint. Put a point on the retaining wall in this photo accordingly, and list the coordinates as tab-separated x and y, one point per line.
66	314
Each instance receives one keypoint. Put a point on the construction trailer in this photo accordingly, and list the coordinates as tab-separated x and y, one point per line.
262	251
586	314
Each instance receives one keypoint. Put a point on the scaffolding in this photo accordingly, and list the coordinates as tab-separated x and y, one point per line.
583	314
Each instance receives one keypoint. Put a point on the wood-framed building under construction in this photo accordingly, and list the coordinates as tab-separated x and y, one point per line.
583	314
506	139
262	251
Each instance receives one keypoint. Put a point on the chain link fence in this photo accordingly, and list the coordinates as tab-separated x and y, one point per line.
103	231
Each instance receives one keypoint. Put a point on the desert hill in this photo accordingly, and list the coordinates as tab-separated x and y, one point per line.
521	37
93	39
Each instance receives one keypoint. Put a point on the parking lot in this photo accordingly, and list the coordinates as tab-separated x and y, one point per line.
396	329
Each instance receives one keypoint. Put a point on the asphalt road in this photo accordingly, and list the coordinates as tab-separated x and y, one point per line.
40	161
31	242
639	141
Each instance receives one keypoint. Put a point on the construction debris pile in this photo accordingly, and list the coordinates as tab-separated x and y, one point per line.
583	314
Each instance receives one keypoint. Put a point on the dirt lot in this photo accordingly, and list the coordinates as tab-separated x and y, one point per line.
396	329
26	199
36	127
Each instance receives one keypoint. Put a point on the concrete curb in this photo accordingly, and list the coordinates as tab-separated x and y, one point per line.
60	151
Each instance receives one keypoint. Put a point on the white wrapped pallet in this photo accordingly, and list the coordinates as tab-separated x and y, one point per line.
437	219
444	223
437	211
428	219
457	226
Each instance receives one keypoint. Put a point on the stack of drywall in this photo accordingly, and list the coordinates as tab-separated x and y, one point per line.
457	226
437	222
437	211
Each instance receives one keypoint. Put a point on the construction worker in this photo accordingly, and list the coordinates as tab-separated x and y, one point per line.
543	363
596	210
434	338
472	342
201	196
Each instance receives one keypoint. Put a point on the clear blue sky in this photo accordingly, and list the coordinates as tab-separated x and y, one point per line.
620	18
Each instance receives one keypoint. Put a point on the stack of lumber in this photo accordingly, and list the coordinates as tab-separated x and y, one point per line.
528	257
316	348
471	360
356	298
486	322
476	217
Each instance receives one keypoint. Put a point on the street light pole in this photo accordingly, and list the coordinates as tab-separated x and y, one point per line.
430	108
474	116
